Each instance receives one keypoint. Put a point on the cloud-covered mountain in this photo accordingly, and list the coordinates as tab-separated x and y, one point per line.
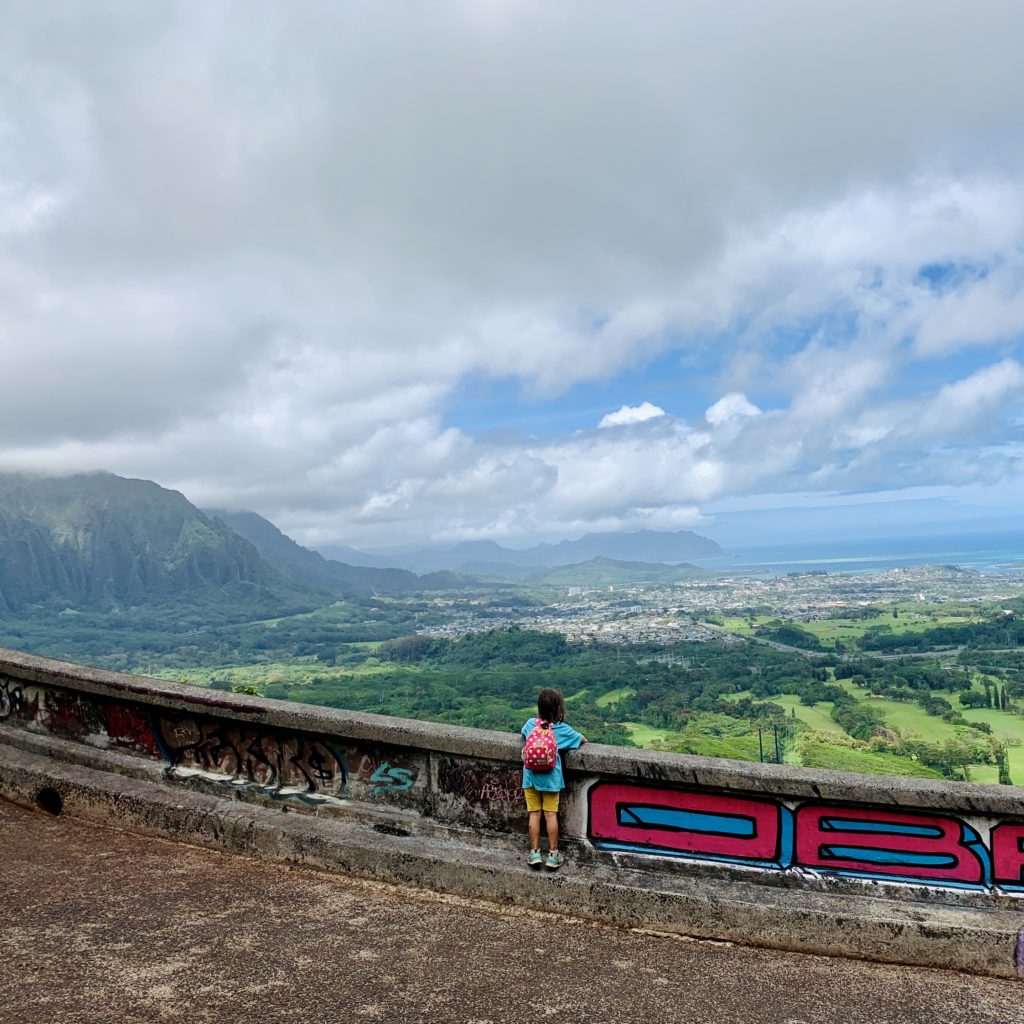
311	568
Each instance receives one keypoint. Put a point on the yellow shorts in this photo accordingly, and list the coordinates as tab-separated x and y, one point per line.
537	799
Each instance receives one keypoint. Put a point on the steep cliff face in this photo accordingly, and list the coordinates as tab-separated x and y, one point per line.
101	541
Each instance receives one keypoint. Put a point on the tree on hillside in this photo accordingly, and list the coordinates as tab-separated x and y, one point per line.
861	721
1004	767
972	699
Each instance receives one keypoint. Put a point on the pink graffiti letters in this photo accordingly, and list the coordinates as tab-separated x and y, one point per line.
897	844
1008	856
867	842
688	823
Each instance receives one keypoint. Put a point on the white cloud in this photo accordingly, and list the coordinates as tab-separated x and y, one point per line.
253	254
961	407
733	406
628	414
979	313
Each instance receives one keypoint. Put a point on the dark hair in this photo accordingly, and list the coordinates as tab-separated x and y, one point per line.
550	705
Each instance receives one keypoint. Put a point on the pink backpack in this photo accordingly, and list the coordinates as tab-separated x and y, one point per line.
540	752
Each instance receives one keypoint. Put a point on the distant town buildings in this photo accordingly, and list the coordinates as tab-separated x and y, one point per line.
674	613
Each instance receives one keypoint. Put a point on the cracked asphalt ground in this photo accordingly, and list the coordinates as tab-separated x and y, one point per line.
103	925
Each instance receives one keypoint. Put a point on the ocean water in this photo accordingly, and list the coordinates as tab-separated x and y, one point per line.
987	552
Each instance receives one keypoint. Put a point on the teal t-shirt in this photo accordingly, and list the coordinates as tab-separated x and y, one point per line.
551	782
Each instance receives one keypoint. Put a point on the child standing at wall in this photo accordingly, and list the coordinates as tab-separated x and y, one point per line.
542	787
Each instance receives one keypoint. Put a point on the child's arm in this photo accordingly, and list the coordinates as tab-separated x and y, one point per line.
570	738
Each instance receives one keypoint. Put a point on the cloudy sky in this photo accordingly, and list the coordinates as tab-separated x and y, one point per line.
401	272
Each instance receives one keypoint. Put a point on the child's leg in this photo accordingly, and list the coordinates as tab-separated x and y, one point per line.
534	830
551	820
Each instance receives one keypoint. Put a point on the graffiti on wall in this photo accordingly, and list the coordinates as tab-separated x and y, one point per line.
857	841
912	846
283	763
288	763
129	728
17	702
382	776
266	758
686	823
77	717
481	786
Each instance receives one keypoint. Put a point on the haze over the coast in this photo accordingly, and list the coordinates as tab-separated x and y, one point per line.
481	270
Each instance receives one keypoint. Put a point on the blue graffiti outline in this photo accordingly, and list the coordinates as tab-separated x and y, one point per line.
865	826
677	819
393	780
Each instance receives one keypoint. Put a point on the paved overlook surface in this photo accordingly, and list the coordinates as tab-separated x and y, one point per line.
101	925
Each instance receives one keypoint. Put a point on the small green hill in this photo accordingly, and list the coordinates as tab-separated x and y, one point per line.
609	572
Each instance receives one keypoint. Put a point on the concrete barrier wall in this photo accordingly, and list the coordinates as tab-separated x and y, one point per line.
669	812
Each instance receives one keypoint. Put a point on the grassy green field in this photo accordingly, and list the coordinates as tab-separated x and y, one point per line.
645	736
741	624
1010	729
909	719
1006	726
297	672
847	759
817	717
614	697
695	741
912	618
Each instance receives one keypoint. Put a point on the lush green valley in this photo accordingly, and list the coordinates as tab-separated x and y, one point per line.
903	716
126	575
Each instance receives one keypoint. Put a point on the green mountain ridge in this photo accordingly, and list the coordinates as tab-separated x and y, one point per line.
102	542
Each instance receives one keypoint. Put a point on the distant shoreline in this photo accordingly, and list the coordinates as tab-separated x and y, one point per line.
989	553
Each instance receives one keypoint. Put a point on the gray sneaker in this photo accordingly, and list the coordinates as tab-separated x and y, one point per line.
554	861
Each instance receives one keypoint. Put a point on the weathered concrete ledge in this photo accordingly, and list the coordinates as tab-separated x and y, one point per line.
908	871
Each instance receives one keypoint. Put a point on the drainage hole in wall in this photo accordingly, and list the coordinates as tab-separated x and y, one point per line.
49	801
390	830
